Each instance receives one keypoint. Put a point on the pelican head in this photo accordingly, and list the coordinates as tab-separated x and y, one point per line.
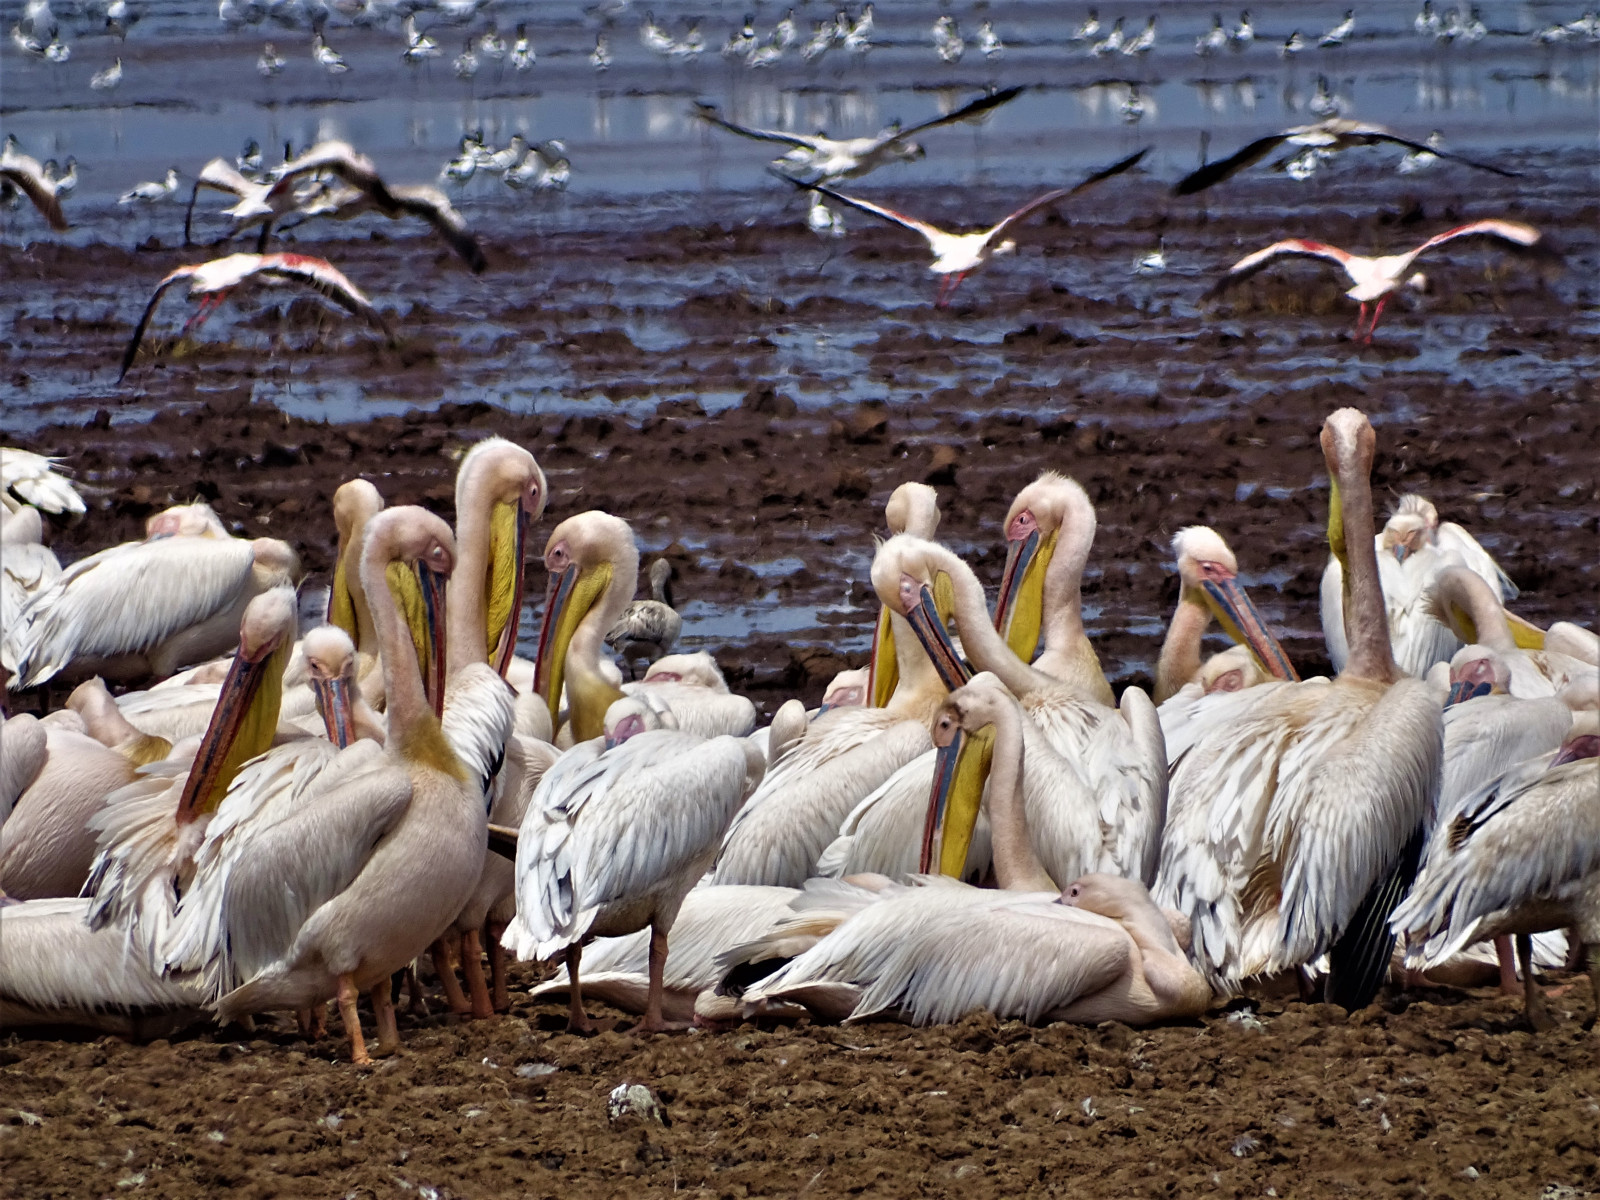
1477	671
1233	670
1582	740
697	670
185	520
1109	895
593	564
913	508
848	689
413	553
910	580
1348	446
331	659
246	716
1404	534
355	502
518	491
633	715
1033	529
1208	575
963	734
1412	504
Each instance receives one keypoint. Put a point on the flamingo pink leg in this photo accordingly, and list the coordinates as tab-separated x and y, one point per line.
208	305
1376	313
1361	320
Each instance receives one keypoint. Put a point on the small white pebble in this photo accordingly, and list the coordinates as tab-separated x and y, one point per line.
535	1070
1469	1173
216	1135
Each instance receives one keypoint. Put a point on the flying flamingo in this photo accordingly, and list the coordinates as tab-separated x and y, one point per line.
1376	278
214	280
957	255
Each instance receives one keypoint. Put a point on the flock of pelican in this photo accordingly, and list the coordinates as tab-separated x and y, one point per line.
972	822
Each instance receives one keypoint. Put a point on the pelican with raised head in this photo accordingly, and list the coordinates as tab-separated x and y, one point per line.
913	508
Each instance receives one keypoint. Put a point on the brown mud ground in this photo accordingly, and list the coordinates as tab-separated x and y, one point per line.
1168	416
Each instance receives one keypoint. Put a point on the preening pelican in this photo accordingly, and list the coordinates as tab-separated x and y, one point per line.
148	832
145	608
711	919
360	911
26	477
648	628
846	753
913	508
1468	605
1209	587
617	833
27	566
1295	819
1521	856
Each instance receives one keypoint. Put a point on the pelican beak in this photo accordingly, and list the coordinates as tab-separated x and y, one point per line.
960	770
1577	749
927	623
1401	551
884	674
569	597
508	549
1462	690
1019	612
433	589
333	702
242	726
1233	610
1526	634
341	604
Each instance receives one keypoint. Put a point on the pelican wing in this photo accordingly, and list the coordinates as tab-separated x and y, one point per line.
295	829
1480	562
33	477
967	112
1261	259
1523	836
1484	738
1416	635
43	196
434	207
132	350
1216	172
712	115
126	600
479	715
936	954
602	827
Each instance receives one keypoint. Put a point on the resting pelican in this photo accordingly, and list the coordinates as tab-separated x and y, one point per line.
23	747
1296	820
648	628
1465	602
616	970
1521	856
357	920
34	479
1097	793
692	686
27	566
148	832
1209	587
1100	951
845	754
913	508
145	608
618	831
1413	551
500	493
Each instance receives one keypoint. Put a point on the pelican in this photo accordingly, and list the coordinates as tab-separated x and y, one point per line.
500	493
617	833
1574	641
27	566
912	508
33	478
25	174
1098	951
355	503
23	748
1521	856
148	832
817	158
648	628
1209	587
1376	278
1413	550
1296	818
213	282
957	255
616	970
692	687
843	756
1468	605
1334	134
144	608
356	915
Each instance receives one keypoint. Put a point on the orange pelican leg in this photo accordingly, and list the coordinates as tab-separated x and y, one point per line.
1508	965
472	972
446	971
499	990
653	1022
348	995
383	1015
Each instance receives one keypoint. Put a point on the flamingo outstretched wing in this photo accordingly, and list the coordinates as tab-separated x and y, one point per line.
167	281
710	113
1261	259
966	112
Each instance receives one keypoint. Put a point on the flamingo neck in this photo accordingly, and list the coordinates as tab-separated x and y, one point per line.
1366	615
1016	866
1180	652
982	642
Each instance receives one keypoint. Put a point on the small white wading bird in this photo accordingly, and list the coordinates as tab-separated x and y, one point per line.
151	193
213	282
1296	818
1331	136
817	158
956	255
1376	278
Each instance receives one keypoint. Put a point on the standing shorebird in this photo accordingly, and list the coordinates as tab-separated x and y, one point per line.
1376	278
648	628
